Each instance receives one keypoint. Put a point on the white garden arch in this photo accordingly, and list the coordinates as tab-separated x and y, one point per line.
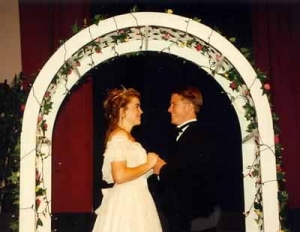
137	32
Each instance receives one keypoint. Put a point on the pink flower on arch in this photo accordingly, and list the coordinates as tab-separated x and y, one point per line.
199	47
44	126
37	175
267	86
47	94
218	57
233	85
40	118
38	202
166	36
276	139
77	63
98	50
22	107
278	168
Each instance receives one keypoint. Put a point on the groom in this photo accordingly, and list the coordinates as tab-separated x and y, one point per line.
187	176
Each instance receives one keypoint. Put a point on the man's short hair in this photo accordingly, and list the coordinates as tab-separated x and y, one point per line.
191	94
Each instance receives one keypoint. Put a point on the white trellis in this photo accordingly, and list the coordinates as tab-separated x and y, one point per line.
145	31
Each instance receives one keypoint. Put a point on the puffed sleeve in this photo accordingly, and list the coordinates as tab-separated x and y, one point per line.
115	151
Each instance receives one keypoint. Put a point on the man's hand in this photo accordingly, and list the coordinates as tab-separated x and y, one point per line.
160	162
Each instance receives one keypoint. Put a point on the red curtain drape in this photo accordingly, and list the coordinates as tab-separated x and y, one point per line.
43	24
72	177
276	43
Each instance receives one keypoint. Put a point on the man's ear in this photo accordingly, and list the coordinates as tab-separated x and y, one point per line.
191	106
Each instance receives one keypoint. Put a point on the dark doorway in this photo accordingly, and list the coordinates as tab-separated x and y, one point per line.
154	75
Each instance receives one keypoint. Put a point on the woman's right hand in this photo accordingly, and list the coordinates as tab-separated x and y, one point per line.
152	159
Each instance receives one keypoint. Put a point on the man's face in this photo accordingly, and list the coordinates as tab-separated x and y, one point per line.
179	109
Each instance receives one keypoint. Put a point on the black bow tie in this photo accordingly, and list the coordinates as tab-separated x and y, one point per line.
180	129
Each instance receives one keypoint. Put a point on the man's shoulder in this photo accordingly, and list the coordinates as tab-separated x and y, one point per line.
194	127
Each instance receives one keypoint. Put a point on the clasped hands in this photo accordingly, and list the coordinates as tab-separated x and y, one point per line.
155	162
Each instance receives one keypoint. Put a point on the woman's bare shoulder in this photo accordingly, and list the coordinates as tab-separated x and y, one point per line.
118	132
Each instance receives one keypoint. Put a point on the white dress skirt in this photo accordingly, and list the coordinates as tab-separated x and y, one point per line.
127	207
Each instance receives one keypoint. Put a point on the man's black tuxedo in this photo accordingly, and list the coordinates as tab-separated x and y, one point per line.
188	179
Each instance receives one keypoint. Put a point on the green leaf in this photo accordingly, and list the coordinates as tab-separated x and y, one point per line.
98	18
197	19
232	39
14	226
134	9
40	191
75	28
39	222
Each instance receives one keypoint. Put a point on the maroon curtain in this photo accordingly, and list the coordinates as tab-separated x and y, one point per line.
43	24
72	177
276	36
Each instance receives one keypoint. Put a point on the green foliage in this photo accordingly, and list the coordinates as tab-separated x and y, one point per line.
134	9
246	52
121	36
232	39
14	226
39	223
75	28
97	18
13	98
197	19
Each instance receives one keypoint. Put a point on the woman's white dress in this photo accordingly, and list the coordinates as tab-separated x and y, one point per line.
127	207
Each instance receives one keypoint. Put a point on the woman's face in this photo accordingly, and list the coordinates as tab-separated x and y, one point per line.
133	112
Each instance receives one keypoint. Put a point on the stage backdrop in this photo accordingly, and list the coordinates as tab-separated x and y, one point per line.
42	26
276	36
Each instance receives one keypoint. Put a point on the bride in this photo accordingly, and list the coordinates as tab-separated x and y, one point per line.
127	206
